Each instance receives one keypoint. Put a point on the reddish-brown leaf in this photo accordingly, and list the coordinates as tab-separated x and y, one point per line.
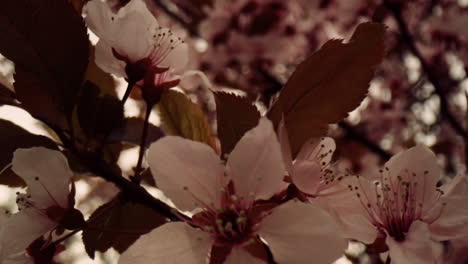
47	41
236	115
329	84
14	137
118	224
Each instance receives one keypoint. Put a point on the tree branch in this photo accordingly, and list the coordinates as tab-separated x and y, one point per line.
133	191
395	9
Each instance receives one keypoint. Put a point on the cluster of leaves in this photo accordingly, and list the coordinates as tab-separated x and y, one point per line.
58	83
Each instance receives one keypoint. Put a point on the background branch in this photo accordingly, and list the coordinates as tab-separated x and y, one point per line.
396	11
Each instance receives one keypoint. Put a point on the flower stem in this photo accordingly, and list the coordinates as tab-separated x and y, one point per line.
127	91
137	178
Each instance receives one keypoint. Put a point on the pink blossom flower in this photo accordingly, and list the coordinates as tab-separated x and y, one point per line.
47	205
131	42
230	220
404	211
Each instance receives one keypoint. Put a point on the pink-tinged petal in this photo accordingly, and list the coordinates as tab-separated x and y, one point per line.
348	209
256	164
177	58
298	232
285	147
130	31
99	18
47	174
134	29
188	172
417	248
306	176
172	243
22	228
317	149
240	255
106	60
448	219
358	227
417	164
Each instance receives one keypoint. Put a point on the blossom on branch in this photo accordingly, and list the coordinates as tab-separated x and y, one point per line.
132	44
232	216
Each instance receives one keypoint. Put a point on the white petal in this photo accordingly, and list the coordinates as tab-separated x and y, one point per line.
418	160
98	18
133	30
306	176
240	255
417	247
22	229
106	60
356	226
256	163
449	217
172	243
188	172
177	58
47	174
317	149
349	210
130	31
298	232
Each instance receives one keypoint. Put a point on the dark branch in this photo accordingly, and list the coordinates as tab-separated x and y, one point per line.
132	191
352	133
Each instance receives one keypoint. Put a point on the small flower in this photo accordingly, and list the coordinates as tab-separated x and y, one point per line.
47	206
404	211
311	170
230	220
131	42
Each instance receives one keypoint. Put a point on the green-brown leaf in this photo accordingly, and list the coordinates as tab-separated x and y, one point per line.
182	117
329	84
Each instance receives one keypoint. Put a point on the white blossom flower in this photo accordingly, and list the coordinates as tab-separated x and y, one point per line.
404	211
131	42
230	219
47	206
